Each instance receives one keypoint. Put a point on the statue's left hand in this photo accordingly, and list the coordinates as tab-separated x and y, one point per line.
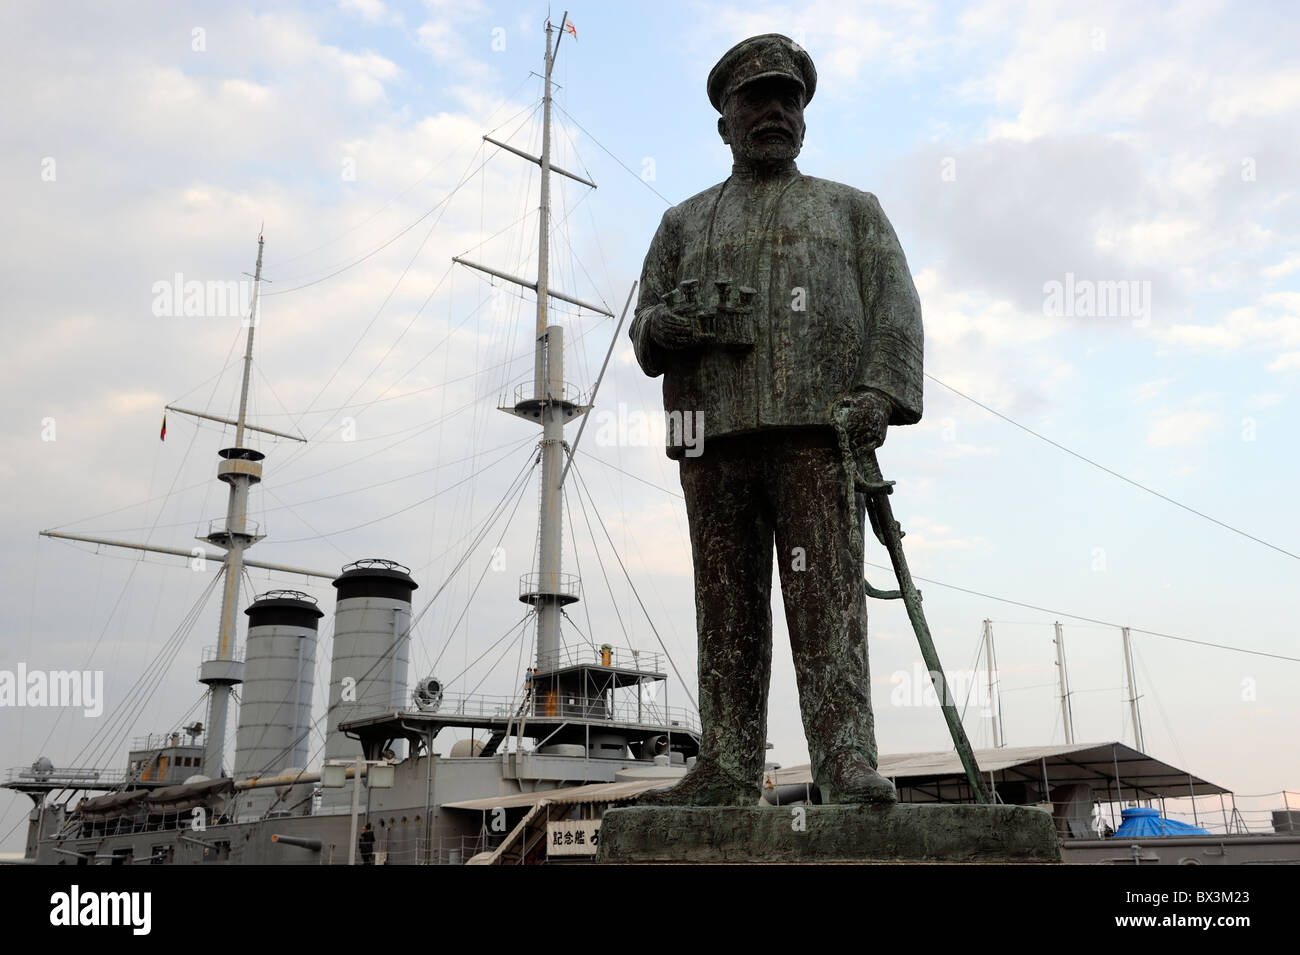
865	417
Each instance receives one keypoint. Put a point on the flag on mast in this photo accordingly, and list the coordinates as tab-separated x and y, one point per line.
162	435
569	28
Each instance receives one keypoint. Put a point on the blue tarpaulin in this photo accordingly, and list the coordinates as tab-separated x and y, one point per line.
1148	822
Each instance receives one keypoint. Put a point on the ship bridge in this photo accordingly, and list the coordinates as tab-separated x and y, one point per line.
589	702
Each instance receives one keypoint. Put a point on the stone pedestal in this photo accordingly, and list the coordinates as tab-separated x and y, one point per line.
783	834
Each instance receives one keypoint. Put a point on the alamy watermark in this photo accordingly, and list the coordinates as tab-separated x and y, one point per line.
633	428
76	907
1086	298
71	688
965	687
180	298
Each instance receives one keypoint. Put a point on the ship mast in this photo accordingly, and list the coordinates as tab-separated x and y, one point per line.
548	385
240	469
220	668
547	400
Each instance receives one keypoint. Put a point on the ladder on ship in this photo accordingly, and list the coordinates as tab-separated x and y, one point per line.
498	736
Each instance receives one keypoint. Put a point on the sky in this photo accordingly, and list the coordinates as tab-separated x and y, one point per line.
1027	154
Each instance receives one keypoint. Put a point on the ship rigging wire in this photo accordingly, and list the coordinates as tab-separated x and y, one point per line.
577	563
117	728
521	484
582	482
1115	474
401	510
1104	623
432	169
629	171
440	204
600	561
514	447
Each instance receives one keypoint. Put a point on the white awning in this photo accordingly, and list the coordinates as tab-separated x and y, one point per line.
1114	766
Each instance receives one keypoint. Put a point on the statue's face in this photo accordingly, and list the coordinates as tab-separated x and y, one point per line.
763	122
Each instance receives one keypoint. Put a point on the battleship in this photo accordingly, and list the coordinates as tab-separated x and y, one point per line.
588	726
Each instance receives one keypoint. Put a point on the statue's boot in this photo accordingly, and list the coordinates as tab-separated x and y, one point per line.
848	777
703	786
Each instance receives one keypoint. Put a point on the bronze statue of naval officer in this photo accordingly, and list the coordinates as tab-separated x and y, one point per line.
776	305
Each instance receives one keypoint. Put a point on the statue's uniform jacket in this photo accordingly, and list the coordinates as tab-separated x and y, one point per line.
835	313
836	310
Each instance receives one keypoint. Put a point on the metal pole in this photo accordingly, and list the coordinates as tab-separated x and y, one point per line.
1223	808
248	346
223	673
890	533
596	387
1066	717
299	734
995	704
543	230
551	531
1132	691
356	808
187	554
1192	790
548	388
1119	788
428	796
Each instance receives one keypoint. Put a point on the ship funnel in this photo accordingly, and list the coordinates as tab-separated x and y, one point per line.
372	647
279	670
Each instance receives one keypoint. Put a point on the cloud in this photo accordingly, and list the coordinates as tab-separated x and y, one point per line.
1274	93
1275	322
373	11
1288	265
445	36
847	43
1149	389
927	539
1172	428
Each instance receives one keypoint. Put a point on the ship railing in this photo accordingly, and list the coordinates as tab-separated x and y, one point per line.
234	652
217	528
527	392
476	704
458	850
1275	813
70	778
533	586
1265	814
165	740
445	850
646	661
545	706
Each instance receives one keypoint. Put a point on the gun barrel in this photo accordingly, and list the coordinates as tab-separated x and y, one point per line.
313	844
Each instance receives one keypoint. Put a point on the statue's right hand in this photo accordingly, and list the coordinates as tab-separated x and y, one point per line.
670	330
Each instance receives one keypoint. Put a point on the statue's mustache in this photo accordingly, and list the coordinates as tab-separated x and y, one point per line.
769	128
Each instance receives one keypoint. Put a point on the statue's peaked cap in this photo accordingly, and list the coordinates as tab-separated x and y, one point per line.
757	58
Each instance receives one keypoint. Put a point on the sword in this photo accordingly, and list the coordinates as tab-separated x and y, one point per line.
890	534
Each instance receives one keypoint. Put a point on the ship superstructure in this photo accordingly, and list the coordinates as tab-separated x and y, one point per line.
582	714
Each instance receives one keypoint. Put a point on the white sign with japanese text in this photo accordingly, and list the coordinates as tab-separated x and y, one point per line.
572	837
